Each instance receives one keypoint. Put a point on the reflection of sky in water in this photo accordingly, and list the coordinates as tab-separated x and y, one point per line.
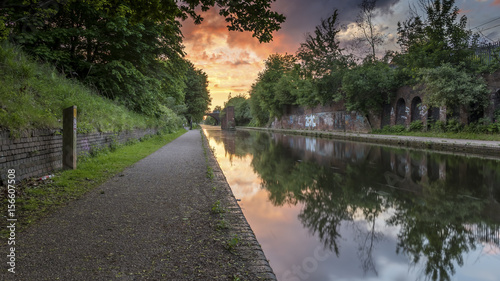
296	254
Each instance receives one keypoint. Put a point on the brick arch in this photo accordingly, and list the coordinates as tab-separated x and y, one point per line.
401	112
433	115
386	115
416	109
215	115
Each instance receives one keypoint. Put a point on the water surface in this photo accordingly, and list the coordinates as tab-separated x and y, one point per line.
332	210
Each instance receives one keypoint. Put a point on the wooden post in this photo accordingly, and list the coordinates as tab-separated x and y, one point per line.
69	138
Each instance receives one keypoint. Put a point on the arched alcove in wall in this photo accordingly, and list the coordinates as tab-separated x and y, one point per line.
401	112
416	107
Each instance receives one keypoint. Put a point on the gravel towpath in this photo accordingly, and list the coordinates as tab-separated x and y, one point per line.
153	221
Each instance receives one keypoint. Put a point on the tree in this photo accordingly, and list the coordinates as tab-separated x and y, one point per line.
369	86
217	108
452	87
242	115
267	89
250	15
197	95
367	27
260	117
323	61
439	37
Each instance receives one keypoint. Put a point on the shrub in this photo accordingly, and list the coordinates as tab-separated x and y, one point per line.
438	126
416	126
397	129
454	126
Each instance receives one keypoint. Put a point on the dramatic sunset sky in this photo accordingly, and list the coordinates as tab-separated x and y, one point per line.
232	60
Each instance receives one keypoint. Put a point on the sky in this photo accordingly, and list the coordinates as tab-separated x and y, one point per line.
232	60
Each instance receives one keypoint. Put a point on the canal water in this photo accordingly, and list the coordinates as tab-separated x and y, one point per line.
326	209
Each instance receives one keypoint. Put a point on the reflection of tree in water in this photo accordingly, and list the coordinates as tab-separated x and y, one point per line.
367	239
329	197
434	227
236	143
431	211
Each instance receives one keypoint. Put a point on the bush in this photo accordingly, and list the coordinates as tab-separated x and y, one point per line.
416	126
494	128
397	129
452	86
390	129
453	126
438	126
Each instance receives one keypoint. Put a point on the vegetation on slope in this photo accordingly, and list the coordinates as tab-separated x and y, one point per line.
33	96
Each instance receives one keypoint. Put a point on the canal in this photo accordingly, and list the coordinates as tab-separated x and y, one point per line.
327	209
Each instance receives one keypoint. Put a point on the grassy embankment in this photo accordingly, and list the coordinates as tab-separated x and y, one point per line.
33	96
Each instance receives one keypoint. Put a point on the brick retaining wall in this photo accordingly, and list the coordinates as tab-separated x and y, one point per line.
39	152
332	117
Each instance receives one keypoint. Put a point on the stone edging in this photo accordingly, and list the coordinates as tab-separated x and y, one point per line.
249	249
455	146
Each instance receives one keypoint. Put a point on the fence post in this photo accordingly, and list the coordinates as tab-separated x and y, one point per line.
69	138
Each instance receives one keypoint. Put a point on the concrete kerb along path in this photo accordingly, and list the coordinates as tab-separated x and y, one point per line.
462	146
153	221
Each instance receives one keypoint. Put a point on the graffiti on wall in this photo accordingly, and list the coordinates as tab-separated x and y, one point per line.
423	110
311	121
85	145
407	113
325	121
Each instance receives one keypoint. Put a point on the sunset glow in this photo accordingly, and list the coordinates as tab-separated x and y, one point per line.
232	60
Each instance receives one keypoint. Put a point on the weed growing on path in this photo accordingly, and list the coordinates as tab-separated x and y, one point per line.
217	208
232	243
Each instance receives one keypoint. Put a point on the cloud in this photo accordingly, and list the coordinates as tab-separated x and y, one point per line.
237	63
495	3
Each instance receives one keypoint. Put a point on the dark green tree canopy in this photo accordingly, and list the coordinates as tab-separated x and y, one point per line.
324	62
242	114
251	15
436	38
197	95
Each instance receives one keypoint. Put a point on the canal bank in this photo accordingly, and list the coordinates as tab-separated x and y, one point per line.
462	146
170	216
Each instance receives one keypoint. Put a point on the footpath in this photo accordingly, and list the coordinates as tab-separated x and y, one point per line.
474	147
153	221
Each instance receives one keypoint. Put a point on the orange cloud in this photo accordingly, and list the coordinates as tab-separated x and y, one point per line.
495	3
231	60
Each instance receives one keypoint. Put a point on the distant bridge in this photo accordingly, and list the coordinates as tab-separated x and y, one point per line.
215	115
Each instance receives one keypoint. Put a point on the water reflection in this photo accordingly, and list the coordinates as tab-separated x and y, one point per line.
437	208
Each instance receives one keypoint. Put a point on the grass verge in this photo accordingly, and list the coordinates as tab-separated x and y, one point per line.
445	135
35	199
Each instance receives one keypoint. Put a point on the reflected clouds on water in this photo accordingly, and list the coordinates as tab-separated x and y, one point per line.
332	210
